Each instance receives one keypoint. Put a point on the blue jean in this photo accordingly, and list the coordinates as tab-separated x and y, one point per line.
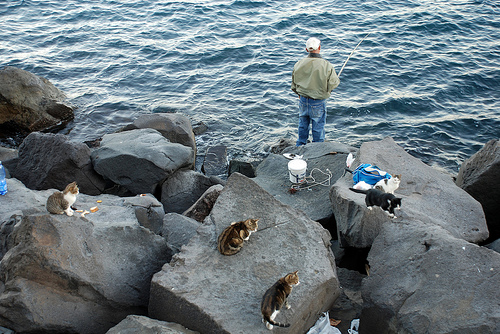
311	112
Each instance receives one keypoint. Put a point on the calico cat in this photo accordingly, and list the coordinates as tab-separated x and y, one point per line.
231	239
386	201
389	185
275	297
61	202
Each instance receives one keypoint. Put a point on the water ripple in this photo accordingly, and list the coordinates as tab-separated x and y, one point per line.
427	75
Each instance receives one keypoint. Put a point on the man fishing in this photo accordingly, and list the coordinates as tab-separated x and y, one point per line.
313	79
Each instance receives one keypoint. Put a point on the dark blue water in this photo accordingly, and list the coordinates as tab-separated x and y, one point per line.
428	74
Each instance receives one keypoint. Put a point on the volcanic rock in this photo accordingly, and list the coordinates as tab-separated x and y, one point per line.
49	160
175	127
74	274
325	164
182	189
134	324
425	280
31	102
212	293
140	160
479	176
426	193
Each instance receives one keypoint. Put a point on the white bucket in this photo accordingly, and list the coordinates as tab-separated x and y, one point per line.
297	170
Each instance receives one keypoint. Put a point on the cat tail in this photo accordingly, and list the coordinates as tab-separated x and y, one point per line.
279	324
359	190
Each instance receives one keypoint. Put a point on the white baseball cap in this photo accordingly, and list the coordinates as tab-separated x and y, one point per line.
312	44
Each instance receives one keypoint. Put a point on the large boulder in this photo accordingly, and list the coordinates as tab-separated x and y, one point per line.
426	193
8	154
178	230
30	102
182	189
203	206
49	161
140	160
74	274
325	164
135	324
479	176
148	211
212	293
175	127
425	280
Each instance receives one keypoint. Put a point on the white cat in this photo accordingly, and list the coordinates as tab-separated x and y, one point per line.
389	185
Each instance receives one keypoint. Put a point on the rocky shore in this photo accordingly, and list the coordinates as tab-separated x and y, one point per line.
147	262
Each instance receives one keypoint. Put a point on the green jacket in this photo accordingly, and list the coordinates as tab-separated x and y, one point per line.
314	77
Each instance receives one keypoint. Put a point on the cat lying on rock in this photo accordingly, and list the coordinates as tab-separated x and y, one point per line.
231	239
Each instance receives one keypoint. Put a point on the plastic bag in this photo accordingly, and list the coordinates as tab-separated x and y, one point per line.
322	326
354	327
369	173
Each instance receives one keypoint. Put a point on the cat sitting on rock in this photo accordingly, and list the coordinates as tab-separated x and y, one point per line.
61	202
382	194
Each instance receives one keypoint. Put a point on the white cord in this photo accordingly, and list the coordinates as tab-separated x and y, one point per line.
325	183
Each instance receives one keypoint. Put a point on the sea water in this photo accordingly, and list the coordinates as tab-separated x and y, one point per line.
428	75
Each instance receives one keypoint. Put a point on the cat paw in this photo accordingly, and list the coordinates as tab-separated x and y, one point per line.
269	326
69	213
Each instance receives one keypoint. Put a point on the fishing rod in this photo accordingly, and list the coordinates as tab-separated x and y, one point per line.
352	53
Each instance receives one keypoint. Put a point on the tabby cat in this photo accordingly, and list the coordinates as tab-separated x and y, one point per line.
386	201
61	202
389	185
275	297
231	239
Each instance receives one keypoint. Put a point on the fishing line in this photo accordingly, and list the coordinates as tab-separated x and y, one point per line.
352	54
312	181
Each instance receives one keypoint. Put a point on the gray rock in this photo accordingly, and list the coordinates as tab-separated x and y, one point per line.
20	200
201	209
424	280
148	211
215	162
178	230
199	128
427	194
243	167
4	330
281	145
495	245
8	153
212	293
273	176
49	161
30	101
175	127
134	324
140	160
350	302
92	271
181	190
479	176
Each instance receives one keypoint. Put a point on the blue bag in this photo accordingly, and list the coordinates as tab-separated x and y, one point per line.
369	173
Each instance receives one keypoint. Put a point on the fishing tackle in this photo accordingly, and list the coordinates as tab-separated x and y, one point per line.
351	54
